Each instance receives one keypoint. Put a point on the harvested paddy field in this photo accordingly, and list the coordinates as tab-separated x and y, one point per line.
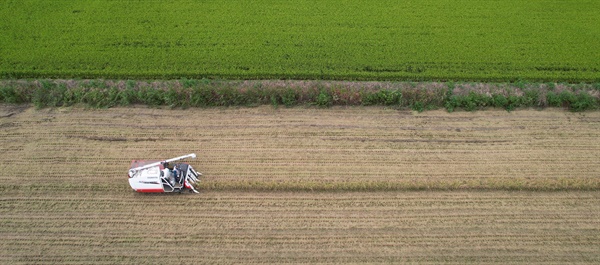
431	227
302	185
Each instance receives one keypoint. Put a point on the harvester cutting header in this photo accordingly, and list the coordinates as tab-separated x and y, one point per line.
163	176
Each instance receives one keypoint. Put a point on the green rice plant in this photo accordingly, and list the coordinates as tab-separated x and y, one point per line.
397	40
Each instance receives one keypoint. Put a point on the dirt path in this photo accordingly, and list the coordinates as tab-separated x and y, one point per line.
64	196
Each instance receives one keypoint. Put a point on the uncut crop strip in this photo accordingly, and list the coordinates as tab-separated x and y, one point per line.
334	149
107	227
271	39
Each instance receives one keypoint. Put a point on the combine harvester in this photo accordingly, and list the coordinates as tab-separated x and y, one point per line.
163	176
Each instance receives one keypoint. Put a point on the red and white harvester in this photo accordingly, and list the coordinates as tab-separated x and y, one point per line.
163	176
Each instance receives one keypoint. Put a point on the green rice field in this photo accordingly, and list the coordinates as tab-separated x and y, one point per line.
474	40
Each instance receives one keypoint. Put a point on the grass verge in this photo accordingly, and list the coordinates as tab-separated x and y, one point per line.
186	93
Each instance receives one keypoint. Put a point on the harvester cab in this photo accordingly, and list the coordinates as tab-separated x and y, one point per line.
163	176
